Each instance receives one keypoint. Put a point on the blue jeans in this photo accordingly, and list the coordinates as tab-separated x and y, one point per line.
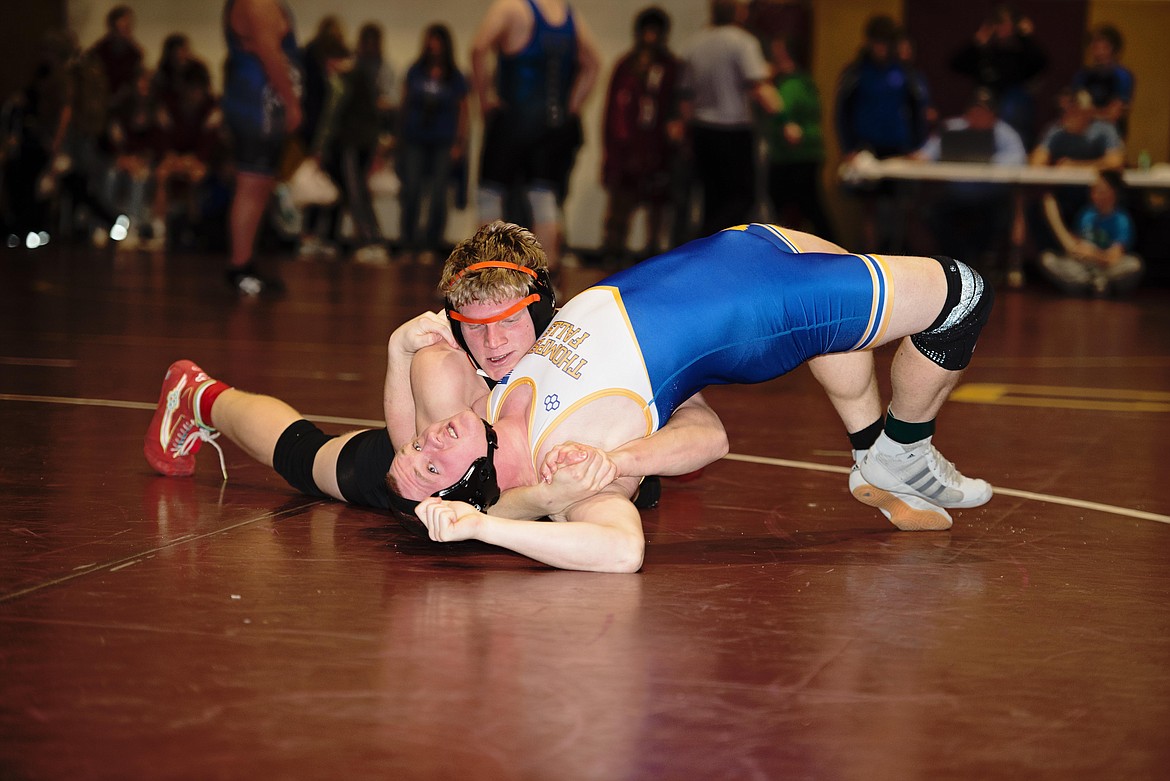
425	171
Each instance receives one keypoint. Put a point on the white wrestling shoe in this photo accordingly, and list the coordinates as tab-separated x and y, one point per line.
912	484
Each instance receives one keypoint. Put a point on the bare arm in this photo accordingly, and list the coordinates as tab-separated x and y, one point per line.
588	67
488	40
1109	256
1052	214
692	438
602	534
766	96
398	404
1114	158
580	472
443	382
1077	247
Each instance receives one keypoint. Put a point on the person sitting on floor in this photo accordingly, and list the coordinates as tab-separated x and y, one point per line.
1098	258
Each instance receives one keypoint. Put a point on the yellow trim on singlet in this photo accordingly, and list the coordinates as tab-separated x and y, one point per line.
776	230
879	272
621	305
536	447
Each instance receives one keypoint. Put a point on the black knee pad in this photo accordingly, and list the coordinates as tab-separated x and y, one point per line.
950	339
362	465
294	455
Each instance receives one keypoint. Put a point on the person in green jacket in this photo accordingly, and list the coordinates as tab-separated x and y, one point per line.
796	147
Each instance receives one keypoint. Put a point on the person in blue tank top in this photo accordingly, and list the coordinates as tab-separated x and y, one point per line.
261	106
546	64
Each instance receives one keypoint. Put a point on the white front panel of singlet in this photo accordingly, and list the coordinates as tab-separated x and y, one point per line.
589	351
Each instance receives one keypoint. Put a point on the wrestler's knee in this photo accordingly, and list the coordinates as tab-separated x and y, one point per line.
950	340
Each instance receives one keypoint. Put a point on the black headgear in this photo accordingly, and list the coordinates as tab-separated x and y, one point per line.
541	302
478	486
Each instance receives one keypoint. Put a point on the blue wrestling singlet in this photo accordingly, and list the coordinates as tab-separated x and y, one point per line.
741	306
534	83
249	102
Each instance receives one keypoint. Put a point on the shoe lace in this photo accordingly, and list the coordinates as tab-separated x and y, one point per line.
943	468
202	435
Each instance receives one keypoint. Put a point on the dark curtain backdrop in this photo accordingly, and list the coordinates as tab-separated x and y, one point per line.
22	26
938	29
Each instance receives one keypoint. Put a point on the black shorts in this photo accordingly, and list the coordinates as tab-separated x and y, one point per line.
256	150
513	156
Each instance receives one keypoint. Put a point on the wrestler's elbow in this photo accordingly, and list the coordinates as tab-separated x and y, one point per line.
712	446
623	553
611	539
627	556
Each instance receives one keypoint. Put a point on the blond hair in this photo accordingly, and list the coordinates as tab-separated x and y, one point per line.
502	241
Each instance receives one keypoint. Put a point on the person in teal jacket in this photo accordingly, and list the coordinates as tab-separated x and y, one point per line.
796	147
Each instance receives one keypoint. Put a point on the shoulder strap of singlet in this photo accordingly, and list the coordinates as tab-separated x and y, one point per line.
540	22
773	233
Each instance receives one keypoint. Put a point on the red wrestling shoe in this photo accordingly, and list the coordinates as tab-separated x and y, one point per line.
175	434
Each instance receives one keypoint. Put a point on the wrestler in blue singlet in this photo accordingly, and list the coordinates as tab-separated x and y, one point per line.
741	306
765	310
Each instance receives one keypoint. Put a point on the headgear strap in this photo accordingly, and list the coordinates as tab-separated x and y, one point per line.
531	299
491	264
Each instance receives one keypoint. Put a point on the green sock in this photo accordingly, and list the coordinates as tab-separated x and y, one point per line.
907	433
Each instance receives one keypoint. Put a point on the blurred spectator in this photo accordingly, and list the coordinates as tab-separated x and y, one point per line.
350	157
434	136
880	109
261	105
546	65
796	143
1097	258
1004	57
324	58
73	92
724	74
118	52
971	220
1076	140
905	52
167	84
190	131
328	42
1107	81
641	135
373	63
1079	138
34	134
134	137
